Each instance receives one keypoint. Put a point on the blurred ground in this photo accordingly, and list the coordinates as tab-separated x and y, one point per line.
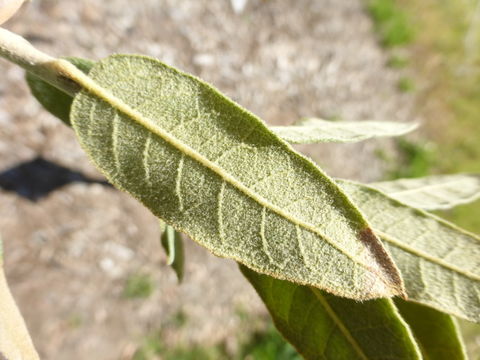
70	254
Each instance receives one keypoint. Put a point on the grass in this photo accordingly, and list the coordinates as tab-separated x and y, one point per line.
391	23
138	286
406	84
398	62
267	345
260	345
415	159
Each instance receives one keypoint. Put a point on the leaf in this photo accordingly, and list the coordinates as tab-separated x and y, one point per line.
439	262
311	131
15	342
323	326
437	333
52	99
215	172
172	242
8	8
433	192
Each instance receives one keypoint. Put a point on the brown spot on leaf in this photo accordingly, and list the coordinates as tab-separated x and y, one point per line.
374	245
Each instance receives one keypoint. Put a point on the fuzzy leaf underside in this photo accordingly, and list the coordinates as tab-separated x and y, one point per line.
52	99
436	333
311	131
172	243
433	192
439	262
322	326
215	172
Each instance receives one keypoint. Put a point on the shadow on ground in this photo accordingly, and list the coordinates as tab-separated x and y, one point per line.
35	179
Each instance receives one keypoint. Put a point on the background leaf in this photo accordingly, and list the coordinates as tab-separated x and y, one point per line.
310	131
437	333
323	326
52	99
15	342
433	192
172	242
215	172
440	263
8	8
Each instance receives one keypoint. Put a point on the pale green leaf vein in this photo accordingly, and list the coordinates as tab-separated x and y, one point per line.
145	160
220	212
115	150
425	256
178	182
339	323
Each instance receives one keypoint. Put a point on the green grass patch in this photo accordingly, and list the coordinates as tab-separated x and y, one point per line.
267	345
398	62
138	286
391	23
415	159
260	345
153	347
406	84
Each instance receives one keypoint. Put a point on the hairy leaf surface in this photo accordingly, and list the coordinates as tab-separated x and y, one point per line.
436	333
214	171
433	192
439	262
172	242
323	326
310	131
52	99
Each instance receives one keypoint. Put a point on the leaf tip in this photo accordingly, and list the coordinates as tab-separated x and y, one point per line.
390	274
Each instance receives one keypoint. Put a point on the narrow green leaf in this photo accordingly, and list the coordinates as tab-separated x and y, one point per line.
433	192
437	333
311	131
323	326
215	172
52	99
172	242
439	262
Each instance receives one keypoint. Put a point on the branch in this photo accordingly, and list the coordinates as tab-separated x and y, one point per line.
57	72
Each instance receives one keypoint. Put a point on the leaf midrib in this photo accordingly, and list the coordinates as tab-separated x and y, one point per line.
397	243
339	323
426	188
91	86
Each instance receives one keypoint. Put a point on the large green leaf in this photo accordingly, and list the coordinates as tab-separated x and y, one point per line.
214	171
54	100
436	333
433	192
310	131
323	326
439	262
